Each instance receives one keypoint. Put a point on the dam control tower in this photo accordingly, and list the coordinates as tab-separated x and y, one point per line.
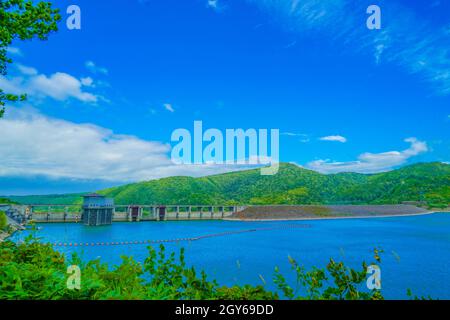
97	210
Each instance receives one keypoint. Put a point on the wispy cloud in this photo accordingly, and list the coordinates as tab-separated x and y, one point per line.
290	45
92	67
405	39
304	138
336	138
372	162
216	5
436	3
293	134
14	51
29	71
169	107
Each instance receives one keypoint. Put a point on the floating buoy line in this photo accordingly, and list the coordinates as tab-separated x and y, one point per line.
141	242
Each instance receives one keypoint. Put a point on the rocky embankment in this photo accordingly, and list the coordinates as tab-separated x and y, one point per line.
325	212
13	226
3	235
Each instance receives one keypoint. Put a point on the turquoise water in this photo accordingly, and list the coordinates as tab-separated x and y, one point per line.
417	249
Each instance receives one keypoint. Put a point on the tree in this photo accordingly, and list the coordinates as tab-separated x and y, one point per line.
3	220
23	20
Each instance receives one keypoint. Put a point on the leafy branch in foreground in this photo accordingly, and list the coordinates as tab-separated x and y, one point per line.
335	282
23	20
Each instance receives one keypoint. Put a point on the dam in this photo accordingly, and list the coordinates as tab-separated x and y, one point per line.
48	213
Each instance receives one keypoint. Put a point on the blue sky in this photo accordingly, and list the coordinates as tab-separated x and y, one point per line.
104	100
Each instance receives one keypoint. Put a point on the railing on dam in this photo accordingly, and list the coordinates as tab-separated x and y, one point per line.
42	213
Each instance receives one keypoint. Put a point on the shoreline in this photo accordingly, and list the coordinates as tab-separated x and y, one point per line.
5	235
332	218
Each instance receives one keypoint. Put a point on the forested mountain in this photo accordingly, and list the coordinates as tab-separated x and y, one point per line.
428	182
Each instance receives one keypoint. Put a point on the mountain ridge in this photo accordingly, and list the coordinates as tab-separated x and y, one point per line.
421	182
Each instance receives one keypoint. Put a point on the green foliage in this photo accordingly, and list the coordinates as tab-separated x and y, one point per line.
33	270
343	282
23	20
420	182
75	198
439	198
3	220
6	201
437	205
426	182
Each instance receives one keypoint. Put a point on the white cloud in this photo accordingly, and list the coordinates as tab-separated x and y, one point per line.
59	86
372	162
334	138
213	4
169	107
406	39
92	67
88	82
32	144
13	85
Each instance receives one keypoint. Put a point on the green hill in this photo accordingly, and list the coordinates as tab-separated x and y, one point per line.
292	185
5	201
73	198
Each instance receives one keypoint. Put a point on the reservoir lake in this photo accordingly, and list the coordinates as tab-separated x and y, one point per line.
416	248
